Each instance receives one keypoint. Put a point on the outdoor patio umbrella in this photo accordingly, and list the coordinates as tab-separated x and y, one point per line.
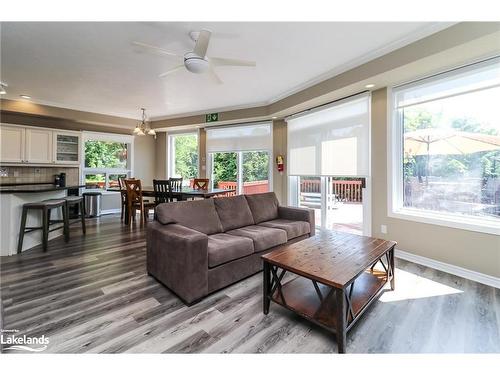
433	141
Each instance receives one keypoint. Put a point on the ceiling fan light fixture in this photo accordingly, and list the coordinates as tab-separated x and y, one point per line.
195	63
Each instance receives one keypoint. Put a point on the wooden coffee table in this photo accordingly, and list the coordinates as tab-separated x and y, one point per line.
338	279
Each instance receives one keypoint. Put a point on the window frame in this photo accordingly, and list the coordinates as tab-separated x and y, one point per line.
107	137
171	150
395	207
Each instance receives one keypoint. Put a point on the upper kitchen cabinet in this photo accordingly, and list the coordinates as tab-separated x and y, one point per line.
33	145
38	146
66	147
12	140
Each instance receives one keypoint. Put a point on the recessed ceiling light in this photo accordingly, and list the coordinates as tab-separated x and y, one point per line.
25	96
370	85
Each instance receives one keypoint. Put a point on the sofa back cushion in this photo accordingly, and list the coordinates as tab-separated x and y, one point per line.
264	206
199	215
233	212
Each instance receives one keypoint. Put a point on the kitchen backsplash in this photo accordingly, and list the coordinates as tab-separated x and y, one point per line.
21	175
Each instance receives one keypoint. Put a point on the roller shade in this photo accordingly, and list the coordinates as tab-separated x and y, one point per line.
455	82
333	141
240	138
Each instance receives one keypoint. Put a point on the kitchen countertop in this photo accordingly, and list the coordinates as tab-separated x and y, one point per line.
34	188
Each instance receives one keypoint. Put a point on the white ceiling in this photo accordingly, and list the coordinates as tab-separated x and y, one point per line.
93	66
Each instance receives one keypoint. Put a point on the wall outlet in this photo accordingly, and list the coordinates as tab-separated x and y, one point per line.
383	229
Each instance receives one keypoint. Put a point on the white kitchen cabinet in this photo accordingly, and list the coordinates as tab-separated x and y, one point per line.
12	139
39	146
66	147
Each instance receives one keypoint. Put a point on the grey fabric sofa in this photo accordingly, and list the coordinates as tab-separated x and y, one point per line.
197	247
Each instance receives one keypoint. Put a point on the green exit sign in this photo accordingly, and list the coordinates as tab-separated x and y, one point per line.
211	117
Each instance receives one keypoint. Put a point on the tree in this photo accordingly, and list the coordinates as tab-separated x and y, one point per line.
100	154
186	156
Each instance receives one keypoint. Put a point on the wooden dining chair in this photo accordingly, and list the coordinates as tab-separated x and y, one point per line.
176	185
123	197
163	191
135	200
200	183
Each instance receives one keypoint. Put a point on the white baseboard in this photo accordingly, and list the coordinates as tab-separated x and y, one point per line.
449	268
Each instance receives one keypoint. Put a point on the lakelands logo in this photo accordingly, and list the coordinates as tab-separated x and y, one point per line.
27	343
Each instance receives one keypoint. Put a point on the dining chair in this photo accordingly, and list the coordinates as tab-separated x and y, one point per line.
135	200
176	185
123	196
200	183
163	191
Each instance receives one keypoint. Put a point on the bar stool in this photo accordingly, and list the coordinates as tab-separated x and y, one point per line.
79	201
45	207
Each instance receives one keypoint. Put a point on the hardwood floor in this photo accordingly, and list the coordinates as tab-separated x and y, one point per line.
93	295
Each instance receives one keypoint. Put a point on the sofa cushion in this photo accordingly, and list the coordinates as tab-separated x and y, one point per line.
223	248
264	206
293	228
233	212
263	237
199	215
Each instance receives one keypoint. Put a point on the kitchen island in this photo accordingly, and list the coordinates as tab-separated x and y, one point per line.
12	198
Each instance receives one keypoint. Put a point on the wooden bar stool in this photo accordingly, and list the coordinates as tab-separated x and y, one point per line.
80	202
45	207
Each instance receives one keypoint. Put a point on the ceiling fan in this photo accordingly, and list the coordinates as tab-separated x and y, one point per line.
197	60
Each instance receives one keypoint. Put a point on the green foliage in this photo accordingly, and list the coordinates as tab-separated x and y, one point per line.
255	166
100	154
186	156
225	165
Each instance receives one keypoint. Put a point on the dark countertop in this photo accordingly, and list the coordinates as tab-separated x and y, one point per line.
34	188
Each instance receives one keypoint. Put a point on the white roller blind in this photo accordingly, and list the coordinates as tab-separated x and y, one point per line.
331	142
240	138
455	82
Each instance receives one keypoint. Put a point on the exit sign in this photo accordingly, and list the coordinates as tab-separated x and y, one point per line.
211	117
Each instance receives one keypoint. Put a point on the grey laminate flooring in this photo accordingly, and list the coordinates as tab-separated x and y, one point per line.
93	295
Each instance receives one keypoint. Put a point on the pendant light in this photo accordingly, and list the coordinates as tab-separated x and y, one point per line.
143	128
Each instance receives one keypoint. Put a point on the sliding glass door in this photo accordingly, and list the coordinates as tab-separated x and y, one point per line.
245	171
239	157
329	163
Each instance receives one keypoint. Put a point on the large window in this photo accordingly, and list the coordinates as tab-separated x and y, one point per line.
446	155
183	156
239	158
107	158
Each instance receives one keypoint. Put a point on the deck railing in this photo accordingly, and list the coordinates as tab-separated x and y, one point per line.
253	187
345	190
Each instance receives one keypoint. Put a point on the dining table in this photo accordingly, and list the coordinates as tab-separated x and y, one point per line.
181	194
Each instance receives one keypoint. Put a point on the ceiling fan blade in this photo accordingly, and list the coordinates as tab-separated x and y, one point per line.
173	70
221	61
202	43
156	49
213	76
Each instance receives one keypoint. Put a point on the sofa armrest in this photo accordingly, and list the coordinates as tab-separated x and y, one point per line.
177	256
300	214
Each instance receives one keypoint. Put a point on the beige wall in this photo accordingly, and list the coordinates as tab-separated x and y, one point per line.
144	159
160	170
279	148
471	250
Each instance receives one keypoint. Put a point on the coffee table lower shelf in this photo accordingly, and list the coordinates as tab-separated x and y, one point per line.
301	297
